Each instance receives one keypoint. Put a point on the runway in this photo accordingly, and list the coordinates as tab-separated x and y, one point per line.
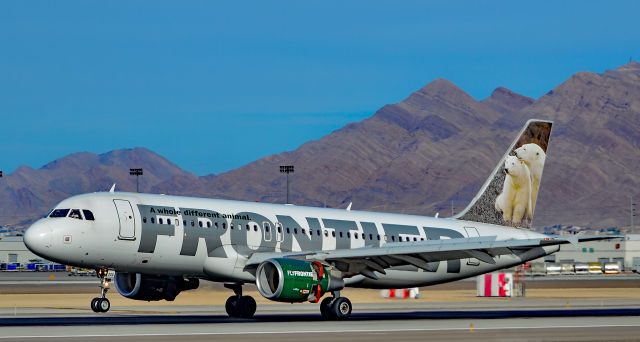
370	322
363	327
606	309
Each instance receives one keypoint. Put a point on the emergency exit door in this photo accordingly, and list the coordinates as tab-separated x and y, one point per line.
127	229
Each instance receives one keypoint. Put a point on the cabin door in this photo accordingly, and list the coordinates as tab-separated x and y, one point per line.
127	229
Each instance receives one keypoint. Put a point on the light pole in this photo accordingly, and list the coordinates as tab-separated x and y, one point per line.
137	173
632	214
287	169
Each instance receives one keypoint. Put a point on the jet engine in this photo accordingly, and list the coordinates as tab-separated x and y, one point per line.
291	280
150	287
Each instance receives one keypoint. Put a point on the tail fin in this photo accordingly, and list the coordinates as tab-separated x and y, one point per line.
509	196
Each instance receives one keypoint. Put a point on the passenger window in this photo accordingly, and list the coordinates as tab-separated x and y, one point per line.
326	233
184	223
355	235
208	224
177	223
75	213
393	238
266	228
318	232
371	237
144	220
333	233
349	235
215	224
160	221
340	234
279	229
153	220
59	213
288	231
295	230
88	215
415	239
193	224
224	225
304	231
255	228
168	222
378	237
231	225
248	229
199	223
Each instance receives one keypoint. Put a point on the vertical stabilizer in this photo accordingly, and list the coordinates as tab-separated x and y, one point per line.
509	195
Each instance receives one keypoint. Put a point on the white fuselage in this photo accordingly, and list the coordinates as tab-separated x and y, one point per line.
213	239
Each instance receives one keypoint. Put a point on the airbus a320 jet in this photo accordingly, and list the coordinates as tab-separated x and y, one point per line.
153	247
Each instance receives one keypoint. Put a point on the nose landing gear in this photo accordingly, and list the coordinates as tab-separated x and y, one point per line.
102	304
239	306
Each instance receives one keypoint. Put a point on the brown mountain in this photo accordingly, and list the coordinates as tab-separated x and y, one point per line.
421	155
28	193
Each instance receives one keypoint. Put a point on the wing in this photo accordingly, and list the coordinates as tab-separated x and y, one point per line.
421	254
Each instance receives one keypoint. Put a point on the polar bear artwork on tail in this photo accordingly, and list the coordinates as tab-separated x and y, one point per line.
533	155
515	199
509	195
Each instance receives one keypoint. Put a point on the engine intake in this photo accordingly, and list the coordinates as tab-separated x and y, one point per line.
290	280
149	287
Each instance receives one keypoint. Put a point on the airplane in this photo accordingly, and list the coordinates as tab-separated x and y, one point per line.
154	246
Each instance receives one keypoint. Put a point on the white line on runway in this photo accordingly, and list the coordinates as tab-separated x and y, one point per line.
323	331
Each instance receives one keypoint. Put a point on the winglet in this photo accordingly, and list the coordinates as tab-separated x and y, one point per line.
349	207
113	188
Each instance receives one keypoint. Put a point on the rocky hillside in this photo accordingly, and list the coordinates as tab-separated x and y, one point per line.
28	193
421	155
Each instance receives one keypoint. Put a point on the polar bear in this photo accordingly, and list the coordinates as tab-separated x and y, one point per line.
534	157
515	199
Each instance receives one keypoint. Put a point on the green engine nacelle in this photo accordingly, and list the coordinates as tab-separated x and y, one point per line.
290	280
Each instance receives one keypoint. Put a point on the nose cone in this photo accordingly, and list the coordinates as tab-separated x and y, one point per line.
38	238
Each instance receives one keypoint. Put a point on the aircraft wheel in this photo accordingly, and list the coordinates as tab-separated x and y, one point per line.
232	306
341	308
325	307
103	305
94	304
247	307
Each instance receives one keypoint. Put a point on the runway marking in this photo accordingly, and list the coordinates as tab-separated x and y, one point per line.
321	331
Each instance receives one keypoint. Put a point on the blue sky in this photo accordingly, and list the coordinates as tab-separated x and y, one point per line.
196	80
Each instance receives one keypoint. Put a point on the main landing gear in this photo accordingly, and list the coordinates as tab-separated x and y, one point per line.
239	306
102	304
336	307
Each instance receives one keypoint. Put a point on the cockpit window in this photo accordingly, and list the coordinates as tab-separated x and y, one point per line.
75	213
59	213
88	215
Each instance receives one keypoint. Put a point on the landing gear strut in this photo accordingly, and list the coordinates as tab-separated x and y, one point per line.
102	304
336	307
238	305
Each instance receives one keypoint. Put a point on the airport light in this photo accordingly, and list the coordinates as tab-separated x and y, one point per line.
287	169
632	214
137	173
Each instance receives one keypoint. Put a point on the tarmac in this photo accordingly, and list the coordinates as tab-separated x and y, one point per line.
560	309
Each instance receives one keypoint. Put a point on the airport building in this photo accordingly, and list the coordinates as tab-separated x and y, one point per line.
619	250
13	250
